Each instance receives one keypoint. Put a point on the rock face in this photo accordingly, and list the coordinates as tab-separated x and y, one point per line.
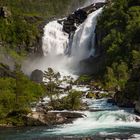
89	9
4	12
73	20
37	76
69	25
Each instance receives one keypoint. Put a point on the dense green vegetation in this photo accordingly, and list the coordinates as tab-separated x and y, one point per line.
119	26
16	95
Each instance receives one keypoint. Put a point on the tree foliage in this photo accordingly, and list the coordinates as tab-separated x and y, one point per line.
119	26
18	93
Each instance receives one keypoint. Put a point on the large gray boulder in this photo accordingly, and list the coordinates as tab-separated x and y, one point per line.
37	76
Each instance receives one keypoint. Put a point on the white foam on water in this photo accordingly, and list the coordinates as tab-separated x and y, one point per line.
83	41
100	121
96	121
80	88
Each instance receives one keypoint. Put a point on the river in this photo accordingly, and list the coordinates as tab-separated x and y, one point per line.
111	122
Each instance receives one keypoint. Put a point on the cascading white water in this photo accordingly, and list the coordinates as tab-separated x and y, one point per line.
54	40
56	43
84	38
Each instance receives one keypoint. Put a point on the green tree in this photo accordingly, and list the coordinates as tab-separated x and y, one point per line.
52	82
72	101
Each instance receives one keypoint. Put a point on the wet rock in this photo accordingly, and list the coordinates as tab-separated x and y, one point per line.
137	119
72	115
111	101
50	118
137	107
4	12
99	5
79	16
94	7
37	76
123	101
30	121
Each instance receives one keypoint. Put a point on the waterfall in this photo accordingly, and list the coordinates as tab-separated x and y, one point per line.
56	43
63	52
54	40
84	38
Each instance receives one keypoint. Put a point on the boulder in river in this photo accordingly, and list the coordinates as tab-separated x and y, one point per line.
111	101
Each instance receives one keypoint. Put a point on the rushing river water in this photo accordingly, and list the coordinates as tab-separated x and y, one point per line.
103	121
110	122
